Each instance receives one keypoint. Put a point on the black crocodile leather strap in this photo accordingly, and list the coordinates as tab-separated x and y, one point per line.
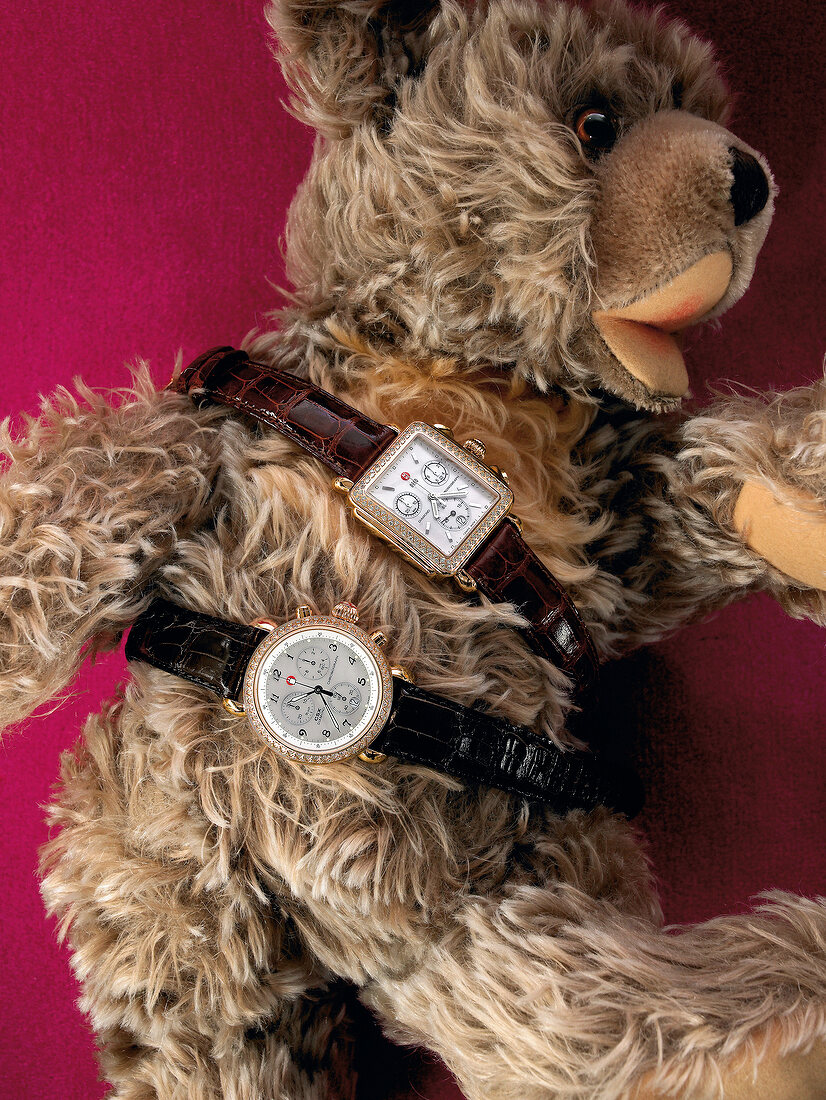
504	567
423	728
207	651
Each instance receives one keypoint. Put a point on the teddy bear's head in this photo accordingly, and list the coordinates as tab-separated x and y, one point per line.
544	188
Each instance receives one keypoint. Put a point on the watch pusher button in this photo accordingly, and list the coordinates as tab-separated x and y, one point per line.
444	429
379	638
475	447
346	611
302	612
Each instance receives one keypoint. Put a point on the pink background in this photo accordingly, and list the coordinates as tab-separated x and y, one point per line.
148	167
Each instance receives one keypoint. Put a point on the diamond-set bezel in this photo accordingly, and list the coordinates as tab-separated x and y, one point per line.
300	626
408	541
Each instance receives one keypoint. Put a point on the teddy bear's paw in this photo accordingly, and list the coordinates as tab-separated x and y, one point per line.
797	1076
766	1074
789	533
773	454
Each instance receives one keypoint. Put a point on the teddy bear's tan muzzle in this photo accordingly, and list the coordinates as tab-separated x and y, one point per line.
642	334
682	213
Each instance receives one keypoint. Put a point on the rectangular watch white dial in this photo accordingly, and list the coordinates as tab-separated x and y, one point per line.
432	499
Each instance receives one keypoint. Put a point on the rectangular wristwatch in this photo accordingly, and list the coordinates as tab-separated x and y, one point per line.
434	500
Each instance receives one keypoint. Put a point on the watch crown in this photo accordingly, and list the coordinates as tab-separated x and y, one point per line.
475	447
379	638
346	611
302	612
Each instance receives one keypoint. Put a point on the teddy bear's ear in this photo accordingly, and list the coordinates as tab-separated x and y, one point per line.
344	60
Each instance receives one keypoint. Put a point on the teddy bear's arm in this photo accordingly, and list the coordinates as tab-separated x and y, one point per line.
92	500
685	535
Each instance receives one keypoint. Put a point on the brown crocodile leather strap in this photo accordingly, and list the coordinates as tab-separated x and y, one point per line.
507	570
504	568
342	437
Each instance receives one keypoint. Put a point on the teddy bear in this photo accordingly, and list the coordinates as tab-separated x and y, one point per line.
511	211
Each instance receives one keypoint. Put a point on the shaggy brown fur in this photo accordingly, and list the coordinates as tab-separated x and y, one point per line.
447	250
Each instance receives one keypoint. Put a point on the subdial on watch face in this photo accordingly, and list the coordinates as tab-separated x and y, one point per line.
407	504
312	663
299	707
454	515
346	698
434	473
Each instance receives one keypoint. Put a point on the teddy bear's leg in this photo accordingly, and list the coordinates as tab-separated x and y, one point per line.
92	501
544	993
192	977
709	508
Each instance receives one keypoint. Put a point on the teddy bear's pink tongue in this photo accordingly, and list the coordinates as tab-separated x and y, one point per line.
640	334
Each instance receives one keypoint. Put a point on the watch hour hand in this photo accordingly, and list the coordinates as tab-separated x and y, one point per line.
293	703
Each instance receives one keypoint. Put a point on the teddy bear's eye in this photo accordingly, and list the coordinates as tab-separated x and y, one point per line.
596	128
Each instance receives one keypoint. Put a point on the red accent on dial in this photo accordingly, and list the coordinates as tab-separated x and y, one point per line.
291	680
405	477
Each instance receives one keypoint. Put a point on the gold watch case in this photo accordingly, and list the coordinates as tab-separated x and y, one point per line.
391	528
342	621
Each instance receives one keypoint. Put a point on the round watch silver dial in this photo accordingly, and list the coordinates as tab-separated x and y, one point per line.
346	698
312	662
318	689
297	707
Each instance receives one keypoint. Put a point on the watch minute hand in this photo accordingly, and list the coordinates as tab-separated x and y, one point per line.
330	712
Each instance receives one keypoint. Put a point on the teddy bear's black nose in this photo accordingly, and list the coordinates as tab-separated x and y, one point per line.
750	189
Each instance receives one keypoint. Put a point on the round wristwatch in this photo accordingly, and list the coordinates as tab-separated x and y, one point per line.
320	690
433	499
